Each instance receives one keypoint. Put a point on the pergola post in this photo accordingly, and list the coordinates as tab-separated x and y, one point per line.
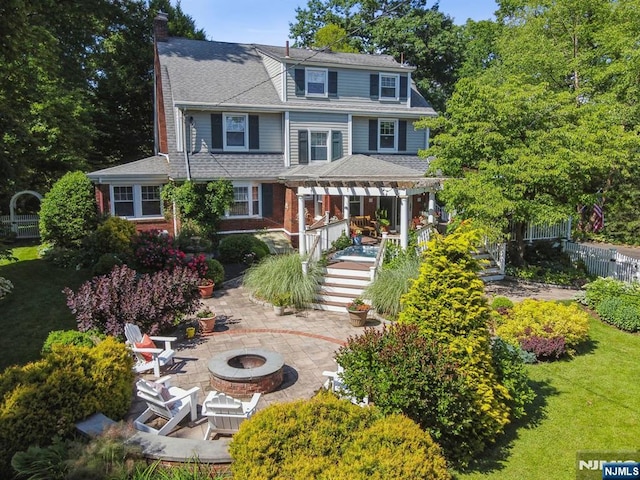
346	214
302	240
432	208
404	222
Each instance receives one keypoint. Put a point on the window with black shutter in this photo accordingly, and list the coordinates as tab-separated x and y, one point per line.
373	135
336	145
216	131
374	85
267	199
402	136
254	132
333	84
299	80
303	147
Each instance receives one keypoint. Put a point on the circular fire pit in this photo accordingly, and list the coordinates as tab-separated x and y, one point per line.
246	371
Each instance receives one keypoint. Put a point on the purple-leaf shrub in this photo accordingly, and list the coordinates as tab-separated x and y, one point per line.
154	251
544	348
151	301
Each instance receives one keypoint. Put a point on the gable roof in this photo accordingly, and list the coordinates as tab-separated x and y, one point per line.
207	72
150	169
326	57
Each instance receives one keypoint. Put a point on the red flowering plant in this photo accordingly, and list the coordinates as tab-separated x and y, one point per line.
358	305
155	251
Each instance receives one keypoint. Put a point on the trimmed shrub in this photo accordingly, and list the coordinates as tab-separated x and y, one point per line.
509	365
113	236
403	372
71	337
342	242
448	305
151	301
621	312
69	212
215	271
391	283
544	348
545	320
499	303
154	251
242	247
280	275
44	399
105	264
62	257
326	437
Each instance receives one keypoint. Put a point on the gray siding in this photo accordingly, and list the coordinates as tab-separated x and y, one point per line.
270	127
274	70
316	121
416	139
353	87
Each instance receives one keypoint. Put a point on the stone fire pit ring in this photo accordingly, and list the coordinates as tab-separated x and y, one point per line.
245	371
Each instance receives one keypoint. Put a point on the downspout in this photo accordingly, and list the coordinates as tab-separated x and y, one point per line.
184	145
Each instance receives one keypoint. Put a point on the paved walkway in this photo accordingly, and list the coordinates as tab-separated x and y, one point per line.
307	340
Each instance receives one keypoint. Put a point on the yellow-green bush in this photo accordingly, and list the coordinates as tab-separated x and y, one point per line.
45	399
448	305
329	438
544	319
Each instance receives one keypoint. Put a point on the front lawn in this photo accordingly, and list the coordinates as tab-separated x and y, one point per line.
588	403
36	305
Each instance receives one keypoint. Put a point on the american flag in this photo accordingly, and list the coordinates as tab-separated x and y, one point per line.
598	217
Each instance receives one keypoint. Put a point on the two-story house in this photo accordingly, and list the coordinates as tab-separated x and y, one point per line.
299	133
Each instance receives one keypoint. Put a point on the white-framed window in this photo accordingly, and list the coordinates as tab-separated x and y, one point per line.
389	86
319	146
316	80
136	201
387	135
236	131
246	200
355	205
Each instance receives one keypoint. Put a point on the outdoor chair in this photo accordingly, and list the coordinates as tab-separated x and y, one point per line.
147	354
170	403
225	413
364	225
336	385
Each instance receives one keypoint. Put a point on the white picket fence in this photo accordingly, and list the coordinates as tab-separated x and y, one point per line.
24	226
605	262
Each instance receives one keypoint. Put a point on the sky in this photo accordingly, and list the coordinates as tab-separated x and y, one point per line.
267	21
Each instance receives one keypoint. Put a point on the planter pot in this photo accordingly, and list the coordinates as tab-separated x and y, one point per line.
207	324
279	310
206	291
358	318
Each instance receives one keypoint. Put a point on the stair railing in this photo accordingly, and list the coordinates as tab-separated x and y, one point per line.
498	251
373	269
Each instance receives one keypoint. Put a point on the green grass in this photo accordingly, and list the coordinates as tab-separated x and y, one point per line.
36	305
591	402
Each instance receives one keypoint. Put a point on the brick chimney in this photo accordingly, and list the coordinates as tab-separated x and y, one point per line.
161	27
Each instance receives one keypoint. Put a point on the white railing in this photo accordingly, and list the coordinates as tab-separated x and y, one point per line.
379	259
24	226
604	262
498	251
423	235
319	239
546	231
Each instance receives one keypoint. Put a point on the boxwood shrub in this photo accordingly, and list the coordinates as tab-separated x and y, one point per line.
327	437
622	312
238	248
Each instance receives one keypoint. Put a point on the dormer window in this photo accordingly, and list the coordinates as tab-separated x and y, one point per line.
389	86
316	82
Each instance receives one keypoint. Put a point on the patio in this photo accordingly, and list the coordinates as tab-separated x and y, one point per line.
307	340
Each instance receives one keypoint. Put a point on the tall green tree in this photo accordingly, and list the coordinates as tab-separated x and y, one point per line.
539	131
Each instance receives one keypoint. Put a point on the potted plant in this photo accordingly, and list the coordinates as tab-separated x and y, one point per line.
280	302
358	311
206	319
206	287
357	237
383	220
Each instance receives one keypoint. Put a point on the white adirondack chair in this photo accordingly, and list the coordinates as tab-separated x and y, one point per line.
335	384
159	356
225	413
171	403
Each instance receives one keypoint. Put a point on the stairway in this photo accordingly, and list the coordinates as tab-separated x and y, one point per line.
341	283
490	271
